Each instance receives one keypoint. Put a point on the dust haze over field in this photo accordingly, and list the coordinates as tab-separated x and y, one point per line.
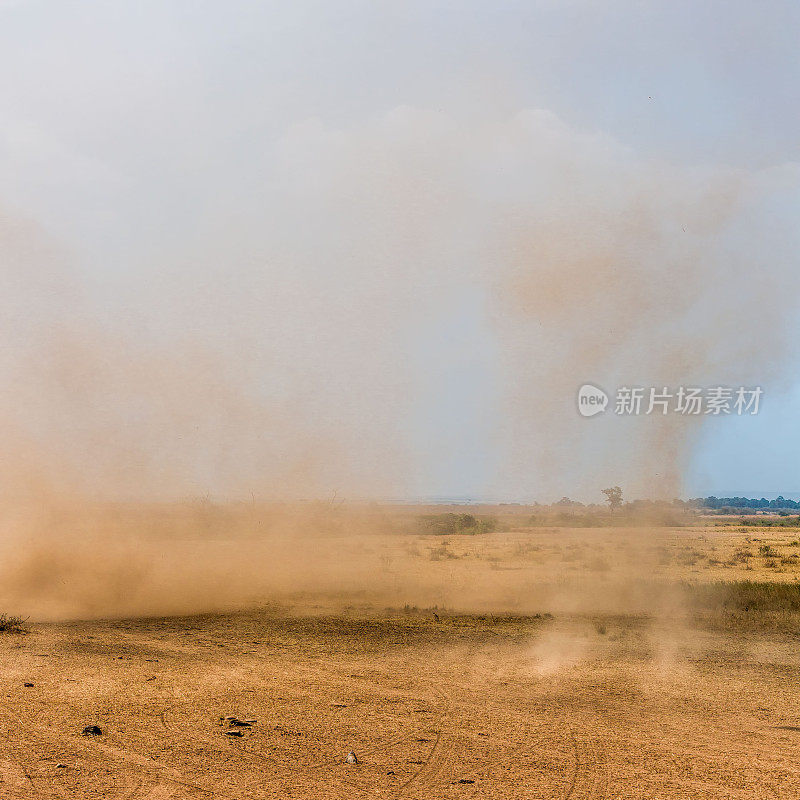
296	300
272	357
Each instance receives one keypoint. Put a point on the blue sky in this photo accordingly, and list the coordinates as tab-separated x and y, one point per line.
170	150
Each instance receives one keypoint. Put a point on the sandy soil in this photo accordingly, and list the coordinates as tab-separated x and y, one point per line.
435	703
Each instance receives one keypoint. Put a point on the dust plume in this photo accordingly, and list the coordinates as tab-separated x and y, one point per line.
592	264
274	353
625	272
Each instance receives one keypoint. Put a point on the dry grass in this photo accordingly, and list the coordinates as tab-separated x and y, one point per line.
11	624
750	596
747	605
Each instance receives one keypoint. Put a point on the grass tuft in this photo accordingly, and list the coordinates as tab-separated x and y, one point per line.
11	624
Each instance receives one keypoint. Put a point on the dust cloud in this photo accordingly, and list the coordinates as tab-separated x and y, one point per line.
272	356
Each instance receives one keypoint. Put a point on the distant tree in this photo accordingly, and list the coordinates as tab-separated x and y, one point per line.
613	497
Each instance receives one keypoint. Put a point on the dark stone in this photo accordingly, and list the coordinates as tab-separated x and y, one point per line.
235	722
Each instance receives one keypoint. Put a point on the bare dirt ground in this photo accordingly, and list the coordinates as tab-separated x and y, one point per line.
567	702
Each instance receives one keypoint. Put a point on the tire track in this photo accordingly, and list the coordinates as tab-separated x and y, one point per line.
15	781
434	762
440	756
589	779
165	781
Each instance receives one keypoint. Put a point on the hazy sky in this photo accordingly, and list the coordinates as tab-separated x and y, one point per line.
203	170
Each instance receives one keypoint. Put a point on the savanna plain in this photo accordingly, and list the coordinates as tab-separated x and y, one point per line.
481	652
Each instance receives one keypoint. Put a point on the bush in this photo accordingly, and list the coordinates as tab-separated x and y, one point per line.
9	624
455	524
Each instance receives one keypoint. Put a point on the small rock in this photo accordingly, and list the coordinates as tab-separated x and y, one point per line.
464	780
351	758
234	732
92	730
61	766
28	685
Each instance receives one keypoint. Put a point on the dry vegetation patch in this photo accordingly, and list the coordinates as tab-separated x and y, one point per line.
12	624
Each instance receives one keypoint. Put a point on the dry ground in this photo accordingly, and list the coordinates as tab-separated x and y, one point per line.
580	699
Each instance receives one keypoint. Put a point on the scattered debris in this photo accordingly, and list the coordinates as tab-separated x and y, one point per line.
92	730
151	678
464	780
351	758
235	722
234	732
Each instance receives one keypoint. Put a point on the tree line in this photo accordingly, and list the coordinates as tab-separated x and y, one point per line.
743	502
